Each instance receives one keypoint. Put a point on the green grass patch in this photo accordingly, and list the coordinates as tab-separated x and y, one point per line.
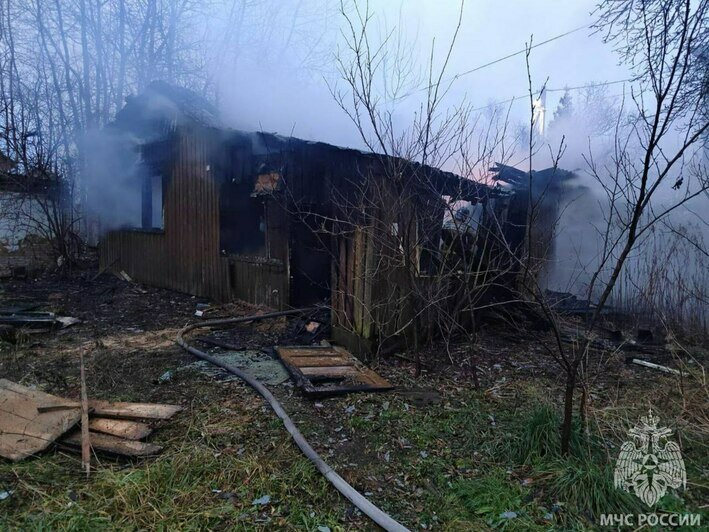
467	463
194	487
497	500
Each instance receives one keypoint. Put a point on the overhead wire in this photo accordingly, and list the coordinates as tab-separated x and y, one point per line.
519	52
564	89
495	61
514	54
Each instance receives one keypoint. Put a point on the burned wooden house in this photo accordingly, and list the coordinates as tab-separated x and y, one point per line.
190	205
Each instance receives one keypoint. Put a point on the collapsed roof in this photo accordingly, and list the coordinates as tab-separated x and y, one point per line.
147	118
541	179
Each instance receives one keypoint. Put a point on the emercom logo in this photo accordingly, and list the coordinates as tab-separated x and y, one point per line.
649	463
651	520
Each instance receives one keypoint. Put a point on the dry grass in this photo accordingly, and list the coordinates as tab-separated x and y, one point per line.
457	463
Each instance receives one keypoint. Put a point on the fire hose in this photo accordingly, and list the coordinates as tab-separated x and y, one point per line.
362	503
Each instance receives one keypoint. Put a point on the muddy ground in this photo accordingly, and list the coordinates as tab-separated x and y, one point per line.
438	452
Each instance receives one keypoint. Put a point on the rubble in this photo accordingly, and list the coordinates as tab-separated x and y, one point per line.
31	320
32	420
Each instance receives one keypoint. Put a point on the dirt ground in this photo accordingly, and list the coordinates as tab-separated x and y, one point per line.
436	453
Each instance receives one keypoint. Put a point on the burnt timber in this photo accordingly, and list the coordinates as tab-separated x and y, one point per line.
254	216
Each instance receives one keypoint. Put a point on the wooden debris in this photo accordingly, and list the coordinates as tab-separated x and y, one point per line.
35	321
29	320
122	428
24	430
103	269
31	420
113	444
85	438
59	406
655	366
133	410
67	321
329	370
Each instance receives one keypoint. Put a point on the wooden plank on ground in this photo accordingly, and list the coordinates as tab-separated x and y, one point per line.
328	370
113	444
316	361
133	410
367	375
304	353
24	430
122	428
57	406
372	378
332	371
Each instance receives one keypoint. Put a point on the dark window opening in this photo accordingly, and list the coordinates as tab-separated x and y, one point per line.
152	205
242	222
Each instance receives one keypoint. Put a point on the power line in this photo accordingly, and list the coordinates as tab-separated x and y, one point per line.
590	85
518	52
494	62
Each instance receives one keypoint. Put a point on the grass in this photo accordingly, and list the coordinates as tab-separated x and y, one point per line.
539	438
218	460
190	488
481	462
496	500
468	463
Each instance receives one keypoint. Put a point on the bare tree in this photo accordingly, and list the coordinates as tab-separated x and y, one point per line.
432	262
66	67
658	147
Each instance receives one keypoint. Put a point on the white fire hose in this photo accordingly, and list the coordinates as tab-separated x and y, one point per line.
360	501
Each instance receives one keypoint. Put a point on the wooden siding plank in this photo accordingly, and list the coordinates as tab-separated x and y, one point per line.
186	255
367	302
357	267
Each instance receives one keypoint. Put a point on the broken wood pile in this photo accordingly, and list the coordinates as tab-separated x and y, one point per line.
30	320
31	421
614	340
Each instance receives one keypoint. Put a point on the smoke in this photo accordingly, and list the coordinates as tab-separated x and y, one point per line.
113	164
666	275
273	63
584	122
272	66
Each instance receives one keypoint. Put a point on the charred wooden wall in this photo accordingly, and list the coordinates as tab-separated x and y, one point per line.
298	263
373	296
185	256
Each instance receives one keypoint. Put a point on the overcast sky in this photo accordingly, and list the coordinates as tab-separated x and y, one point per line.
286	92
279	82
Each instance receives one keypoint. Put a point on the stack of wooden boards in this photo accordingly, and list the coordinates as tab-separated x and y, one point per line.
31	420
